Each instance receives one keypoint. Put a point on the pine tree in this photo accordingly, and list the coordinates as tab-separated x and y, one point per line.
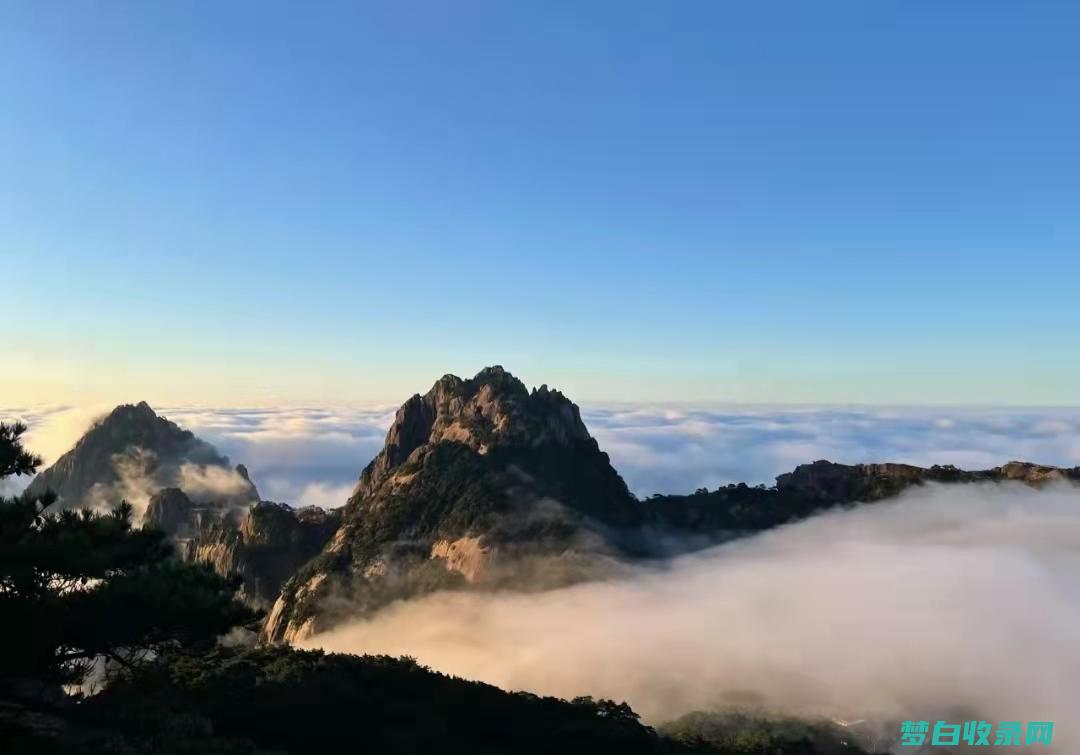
80	586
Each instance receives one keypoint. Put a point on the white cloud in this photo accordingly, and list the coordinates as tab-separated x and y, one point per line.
314	455
660	449
301	456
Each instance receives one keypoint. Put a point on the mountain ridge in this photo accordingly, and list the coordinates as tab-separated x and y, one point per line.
481	483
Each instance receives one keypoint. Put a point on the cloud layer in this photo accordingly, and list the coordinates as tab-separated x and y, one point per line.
314	455
669	450
951	601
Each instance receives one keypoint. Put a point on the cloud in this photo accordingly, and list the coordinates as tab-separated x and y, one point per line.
950	601
135	482
53	430
314	455
301	456
139	476
677	450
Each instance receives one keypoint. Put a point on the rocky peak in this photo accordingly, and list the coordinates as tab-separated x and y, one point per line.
132	453
476	475
492	409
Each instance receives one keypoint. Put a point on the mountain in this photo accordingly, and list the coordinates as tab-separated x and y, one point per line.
474	475
133	453
483	484
210	508
738	509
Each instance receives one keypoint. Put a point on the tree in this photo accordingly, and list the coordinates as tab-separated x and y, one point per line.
78	586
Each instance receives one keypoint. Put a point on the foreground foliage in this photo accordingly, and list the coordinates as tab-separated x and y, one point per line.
749	732
84	586
283	700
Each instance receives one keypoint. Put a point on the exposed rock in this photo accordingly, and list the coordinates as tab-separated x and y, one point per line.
1034	474
171	511
472	473
494	409
268	544
466	555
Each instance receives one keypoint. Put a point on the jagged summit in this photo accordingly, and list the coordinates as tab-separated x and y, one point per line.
493	409
131	453
475	473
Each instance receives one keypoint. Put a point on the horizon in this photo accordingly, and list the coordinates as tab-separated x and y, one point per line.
635	204
313	454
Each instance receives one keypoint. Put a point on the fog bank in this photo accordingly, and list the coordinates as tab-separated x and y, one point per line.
948	599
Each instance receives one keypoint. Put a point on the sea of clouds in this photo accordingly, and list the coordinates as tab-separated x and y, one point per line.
948	603
306	455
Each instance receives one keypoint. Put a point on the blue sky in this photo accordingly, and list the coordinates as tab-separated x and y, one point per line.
835	202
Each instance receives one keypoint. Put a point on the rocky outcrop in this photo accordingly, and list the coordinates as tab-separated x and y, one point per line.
264	547
473	473
1035	474
131	454
171	511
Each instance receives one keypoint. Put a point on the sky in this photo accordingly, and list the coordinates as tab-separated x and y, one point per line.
264	203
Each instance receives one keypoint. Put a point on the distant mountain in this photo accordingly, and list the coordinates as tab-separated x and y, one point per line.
132	453
738	509
186	488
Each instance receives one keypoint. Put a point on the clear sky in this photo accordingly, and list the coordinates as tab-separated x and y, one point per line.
241	202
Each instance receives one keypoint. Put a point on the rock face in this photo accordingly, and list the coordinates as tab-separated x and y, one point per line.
171	511
264	546
473	473
131	454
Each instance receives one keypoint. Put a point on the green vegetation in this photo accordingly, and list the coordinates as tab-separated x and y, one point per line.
759	733
84	585
282	700
81	590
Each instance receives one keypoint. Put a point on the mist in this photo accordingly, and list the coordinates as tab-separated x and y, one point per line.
949	601
139	476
